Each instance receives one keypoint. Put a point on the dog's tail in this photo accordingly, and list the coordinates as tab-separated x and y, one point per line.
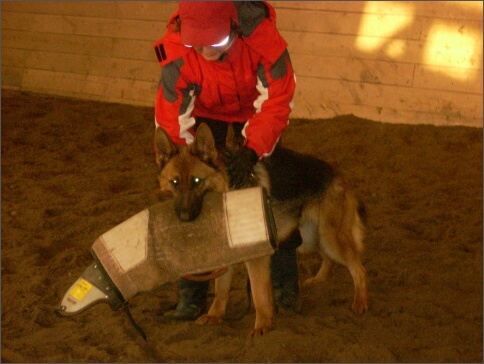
345	214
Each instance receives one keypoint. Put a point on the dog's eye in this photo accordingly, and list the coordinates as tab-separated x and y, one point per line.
175	182
196	181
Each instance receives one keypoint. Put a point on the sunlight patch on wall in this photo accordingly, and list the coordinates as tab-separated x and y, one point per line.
449	47
378	27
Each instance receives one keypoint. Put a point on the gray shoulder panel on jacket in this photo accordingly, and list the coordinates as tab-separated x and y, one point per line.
279	69
251	13
169	77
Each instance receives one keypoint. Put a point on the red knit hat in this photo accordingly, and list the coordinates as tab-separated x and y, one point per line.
206	23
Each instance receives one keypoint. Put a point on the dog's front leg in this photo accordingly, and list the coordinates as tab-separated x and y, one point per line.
219	304
261	287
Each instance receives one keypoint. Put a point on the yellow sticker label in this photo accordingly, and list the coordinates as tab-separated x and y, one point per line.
81	289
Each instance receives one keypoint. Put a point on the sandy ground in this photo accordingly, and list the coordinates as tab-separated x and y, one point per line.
73	169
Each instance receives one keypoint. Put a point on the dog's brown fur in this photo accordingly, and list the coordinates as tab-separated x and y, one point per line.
306	194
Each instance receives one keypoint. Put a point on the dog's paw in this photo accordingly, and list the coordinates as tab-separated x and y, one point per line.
208	320
360	306
263	324
256	332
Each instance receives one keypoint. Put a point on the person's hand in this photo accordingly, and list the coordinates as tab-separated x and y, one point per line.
239	166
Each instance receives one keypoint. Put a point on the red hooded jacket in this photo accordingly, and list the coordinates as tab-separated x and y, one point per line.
253	84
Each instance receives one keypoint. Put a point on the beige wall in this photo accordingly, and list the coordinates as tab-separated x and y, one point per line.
397	62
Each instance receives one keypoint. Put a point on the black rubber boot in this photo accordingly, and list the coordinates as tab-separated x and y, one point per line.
192	300
285	278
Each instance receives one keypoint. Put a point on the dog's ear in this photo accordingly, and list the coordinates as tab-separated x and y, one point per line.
204	144
164	147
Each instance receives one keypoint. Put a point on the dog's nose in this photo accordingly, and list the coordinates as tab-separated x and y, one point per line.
186	210
186	215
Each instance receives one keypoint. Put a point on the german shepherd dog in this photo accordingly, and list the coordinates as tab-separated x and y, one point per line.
306	194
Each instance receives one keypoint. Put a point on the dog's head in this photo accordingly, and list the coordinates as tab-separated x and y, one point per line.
188	172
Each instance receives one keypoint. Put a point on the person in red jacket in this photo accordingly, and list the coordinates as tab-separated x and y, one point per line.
226	63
